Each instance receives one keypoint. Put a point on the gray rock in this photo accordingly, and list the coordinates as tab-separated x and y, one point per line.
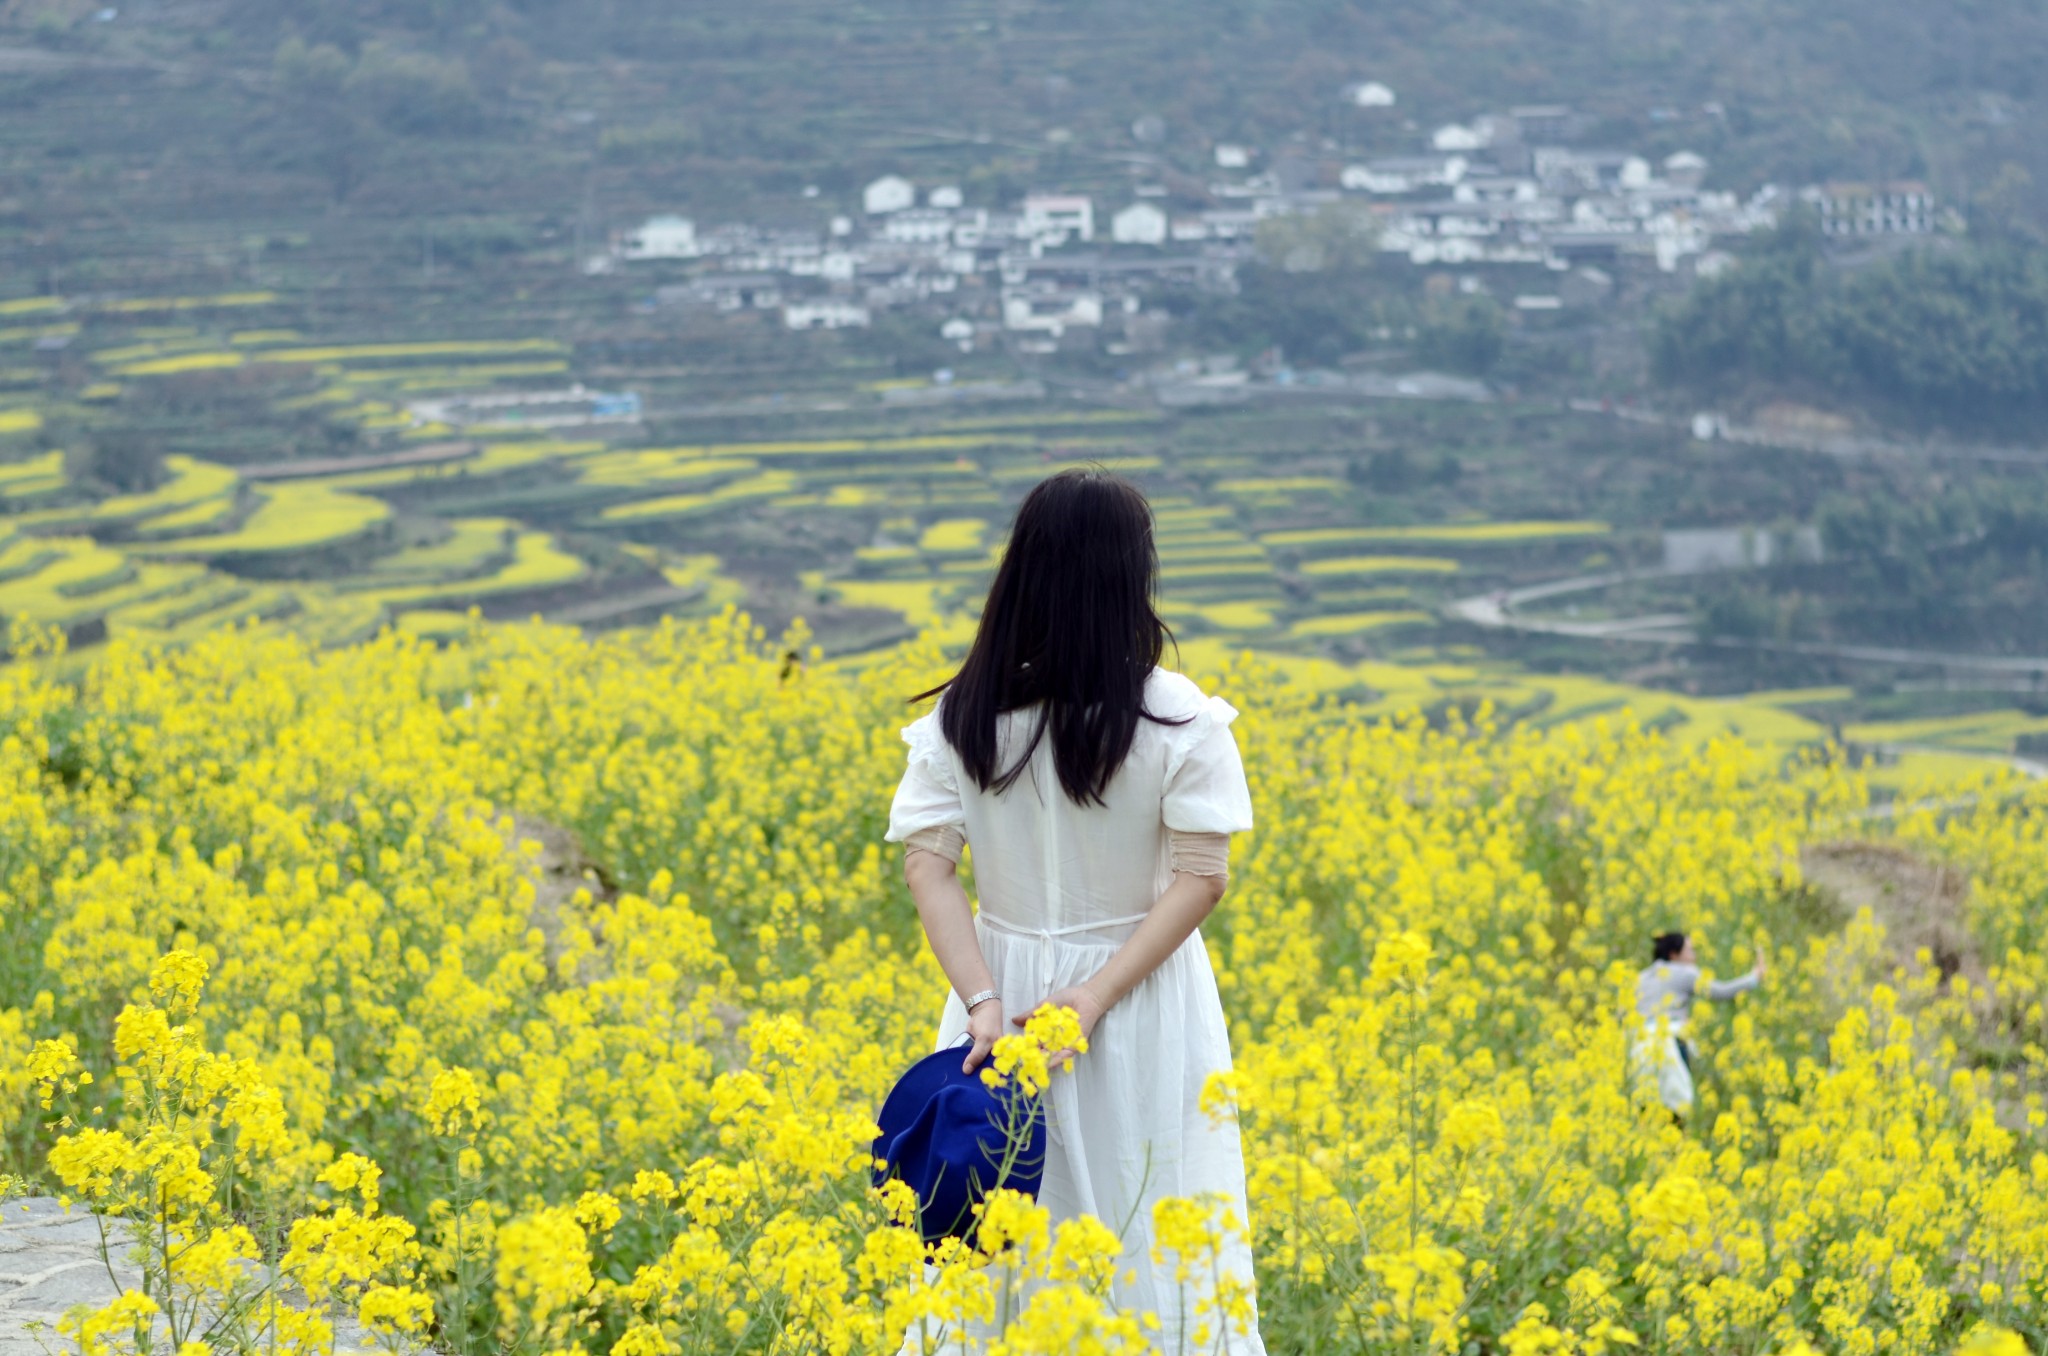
73	1230
34	1207
82	1282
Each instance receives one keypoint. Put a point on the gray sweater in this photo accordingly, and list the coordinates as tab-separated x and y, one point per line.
1667	988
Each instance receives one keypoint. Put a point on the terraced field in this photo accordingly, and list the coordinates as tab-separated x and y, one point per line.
870	523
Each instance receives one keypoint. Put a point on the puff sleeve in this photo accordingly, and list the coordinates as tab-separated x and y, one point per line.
928	797
1205	790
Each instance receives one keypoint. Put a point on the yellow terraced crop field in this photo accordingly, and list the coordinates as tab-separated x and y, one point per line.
1279	488
191	482
439	348
194	517
952	536
1350	565
1223	616
293	515
183	362
33	475
751	489
59	590
664	466
1465	534
1257	568
132	305
1991	729
537	561
1354	623
470	545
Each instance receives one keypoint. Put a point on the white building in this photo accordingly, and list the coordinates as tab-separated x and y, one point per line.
1228	223
662	237
1050	310
1139	224
890	193
1370	94
1694	550
1497	188
824	315
1229	155
1904	208
1055	218
945	196
972	228
919	226
1404	173
1457	137
1685	168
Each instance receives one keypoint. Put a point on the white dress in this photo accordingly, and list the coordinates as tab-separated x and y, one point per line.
1061	887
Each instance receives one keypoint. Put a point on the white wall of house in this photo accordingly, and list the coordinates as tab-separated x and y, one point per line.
1051	216
663	237
1139	224
890	193
824	315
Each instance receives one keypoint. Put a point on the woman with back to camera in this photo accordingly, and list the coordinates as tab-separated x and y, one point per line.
1099	792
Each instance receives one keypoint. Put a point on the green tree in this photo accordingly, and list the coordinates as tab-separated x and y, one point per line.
1465	334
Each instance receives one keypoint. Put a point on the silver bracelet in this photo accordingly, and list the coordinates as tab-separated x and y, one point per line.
981	998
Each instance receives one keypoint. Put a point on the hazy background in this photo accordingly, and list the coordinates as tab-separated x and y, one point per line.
1619	395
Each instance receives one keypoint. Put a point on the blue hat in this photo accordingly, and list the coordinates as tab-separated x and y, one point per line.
947	1134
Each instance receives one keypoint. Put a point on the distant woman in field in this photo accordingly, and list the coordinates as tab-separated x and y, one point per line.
1098	792
1665	990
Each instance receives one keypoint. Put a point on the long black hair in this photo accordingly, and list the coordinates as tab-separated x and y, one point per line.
1666	945
1069	623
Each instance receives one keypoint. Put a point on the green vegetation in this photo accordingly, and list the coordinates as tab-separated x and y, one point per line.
1960	567
1956	336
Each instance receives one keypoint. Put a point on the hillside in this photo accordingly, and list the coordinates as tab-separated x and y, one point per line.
531	115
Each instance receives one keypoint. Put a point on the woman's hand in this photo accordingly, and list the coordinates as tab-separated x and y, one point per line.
985	1024
1086	1006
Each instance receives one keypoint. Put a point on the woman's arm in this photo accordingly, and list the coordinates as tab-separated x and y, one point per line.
949	926
1722	989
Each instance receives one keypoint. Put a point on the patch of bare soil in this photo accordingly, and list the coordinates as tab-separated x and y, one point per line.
1786	416
1920	903
560	870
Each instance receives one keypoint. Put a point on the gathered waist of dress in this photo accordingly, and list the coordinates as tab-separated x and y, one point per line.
1103	931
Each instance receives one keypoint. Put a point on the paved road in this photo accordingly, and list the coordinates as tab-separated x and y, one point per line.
1496	610
1675	628
50	1261
1848	446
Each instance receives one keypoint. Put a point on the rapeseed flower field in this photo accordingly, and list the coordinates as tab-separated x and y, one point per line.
288	988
